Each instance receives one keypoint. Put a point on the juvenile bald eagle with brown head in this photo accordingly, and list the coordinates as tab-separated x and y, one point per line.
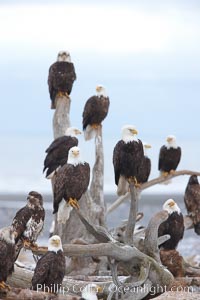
29	220
192	201
57	152
50	269
7	255
71	182
174	225
95	111
169	156
127	156
61	77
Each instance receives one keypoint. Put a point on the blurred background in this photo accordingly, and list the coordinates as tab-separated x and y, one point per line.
145	53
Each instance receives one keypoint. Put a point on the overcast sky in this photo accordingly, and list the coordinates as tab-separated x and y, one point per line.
146	54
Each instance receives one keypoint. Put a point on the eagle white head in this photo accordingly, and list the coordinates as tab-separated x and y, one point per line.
72	131
55	244
64	56
129	133
101	91
90	291
7	234
170	206
171	141
74	157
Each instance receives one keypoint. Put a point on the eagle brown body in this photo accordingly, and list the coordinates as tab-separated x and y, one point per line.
95	110
49	271
192	201
71	182
57	153
174	226
7	254
61	76
29	220
144	170
127	158
169	158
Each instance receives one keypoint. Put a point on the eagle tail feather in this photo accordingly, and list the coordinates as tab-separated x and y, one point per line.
89	133
123	186
64	212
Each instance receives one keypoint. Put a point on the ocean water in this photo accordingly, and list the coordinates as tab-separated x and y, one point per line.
149	204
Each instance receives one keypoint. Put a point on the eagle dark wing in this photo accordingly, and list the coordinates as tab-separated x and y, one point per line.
117	160
20	221
162	155
174	226
169	158
144	170
192	201
7	258
71	182
95	110
61	78
61	181
42	269
57	153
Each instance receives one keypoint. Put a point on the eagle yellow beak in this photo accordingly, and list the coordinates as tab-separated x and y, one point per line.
172	203
78	132
75	153
147	146
98	88
56	242
134	131
169	139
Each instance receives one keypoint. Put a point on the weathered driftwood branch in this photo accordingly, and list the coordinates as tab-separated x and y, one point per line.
61	120
148	184
132	215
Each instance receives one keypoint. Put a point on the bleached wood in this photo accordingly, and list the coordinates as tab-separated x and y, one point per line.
148	184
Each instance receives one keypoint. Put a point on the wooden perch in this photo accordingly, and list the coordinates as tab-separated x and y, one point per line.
148	184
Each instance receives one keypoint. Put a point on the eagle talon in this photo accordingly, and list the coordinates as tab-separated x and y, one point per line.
27	244
172	172
165	174
4	286
74	203
95	126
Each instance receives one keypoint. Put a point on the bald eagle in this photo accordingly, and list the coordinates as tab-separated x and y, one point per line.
57	152
127	156
29	220
192	201
169	156
50	269
145	166
71	182
7	254
174	225
61	77
95	111
90	292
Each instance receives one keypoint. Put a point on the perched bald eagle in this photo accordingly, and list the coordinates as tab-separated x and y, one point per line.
61	77
174	225
29	220
50	269
57	152
95	111
169	157
192	201
145	166
90	292
7	255
127	156
71	182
